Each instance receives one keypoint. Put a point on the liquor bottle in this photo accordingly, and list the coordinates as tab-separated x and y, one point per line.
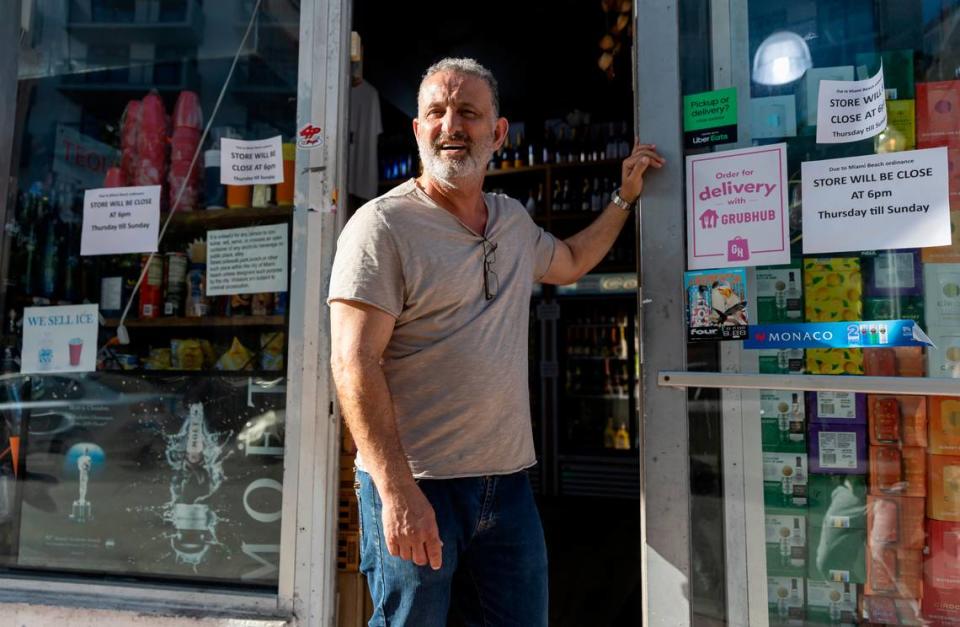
585	195
780	297
797	551
596	196
506	155
531	155
786	484
540	205
518	152
567	200
794	307
531	204
794	594
609	434
622	440
835	610
624	145
796	422
557	201
610	149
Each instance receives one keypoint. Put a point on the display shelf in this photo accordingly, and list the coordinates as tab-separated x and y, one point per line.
207	321
188	30
142	372
225	217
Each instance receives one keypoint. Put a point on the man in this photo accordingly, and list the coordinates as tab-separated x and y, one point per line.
429	302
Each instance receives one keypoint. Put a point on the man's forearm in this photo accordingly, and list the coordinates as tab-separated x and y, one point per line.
589	246
368	411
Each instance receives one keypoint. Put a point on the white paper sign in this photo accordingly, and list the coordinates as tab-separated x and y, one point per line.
876	202
737	212
257	162
59	339
247	261
119	220
848	111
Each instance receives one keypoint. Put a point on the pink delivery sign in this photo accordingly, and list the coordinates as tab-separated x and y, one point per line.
737	211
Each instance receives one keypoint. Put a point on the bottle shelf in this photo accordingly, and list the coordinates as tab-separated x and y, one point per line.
553	166
207	321
597	357
225	217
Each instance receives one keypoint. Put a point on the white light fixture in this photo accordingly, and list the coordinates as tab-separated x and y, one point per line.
782	58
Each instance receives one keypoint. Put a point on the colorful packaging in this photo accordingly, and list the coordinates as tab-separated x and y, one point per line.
837	501
837	554
782	421
784	479
779	294
901	116
942	564
944	360
898	471
187	354
942	294
271	351
892	273
782	361
900	361
785	599
786	541
894	308
944	424
896	521
894	572
938	113
891	611
944	500
940	604
237	357
833	289
151	288
899	420
831	603
834	361
838	448
946	254
846	407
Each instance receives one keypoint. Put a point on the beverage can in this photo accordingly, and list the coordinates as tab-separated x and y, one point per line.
151	288
280	304
197	305
175	284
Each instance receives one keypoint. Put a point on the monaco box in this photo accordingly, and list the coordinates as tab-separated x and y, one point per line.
831	603
898	420
944	424
784	479
942	294
779	294
836	554
782	361
785	600
898	471
896	521
901	361
837	501
837	407
838	448
786	543
944	501
894	572
942	564
782	421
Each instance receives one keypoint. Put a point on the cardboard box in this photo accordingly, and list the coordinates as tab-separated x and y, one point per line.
785	479
946	254
783	425
898	77
831	602
944	360
892	273
779	294
941	605
837	554
944	425
896	521
900	361
782	361
944	501
785	599
942	564
899	420
938	113
838	448
833	289
837	501
894	572
894	308
942	294
834	361
898	471
837	407
786	543
880	610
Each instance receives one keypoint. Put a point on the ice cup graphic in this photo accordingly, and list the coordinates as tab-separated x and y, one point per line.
76	347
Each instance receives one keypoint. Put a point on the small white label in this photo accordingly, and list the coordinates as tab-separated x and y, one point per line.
111	289
258	162
838	449
837	405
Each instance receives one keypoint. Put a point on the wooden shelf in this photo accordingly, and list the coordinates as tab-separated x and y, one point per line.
208	321
553	166
225	217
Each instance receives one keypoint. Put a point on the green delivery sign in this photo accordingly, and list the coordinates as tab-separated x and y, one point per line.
710	118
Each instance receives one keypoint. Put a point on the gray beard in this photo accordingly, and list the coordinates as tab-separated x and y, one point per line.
450	173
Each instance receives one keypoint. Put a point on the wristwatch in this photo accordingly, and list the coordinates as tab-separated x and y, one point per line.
619	201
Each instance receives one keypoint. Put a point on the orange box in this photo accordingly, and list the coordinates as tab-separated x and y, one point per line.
898	471
903	361
897	420
941	566
896	521
944	424
894	572
944	501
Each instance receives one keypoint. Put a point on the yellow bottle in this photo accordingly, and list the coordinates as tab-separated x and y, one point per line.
622	438
609	435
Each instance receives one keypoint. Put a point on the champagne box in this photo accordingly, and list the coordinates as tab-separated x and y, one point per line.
902	116
894	572
946	254
785	600
897	67
837	501
785	479
944	425
779	294
942	294
900	361
837	554
942	564
941	605
833	289
831	603
944	360
897	420
896	521
840	407
782	361
892	273
786	542
783	424
944	501
834	361
838	448
898	471
810	89
894	308
883	610
938	113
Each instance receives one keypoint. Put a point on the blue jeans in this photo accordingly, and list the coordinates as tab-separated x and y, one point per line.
494	571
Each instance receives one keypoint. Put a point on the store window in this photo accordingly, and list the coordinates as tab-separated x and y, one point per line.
849	110
145	290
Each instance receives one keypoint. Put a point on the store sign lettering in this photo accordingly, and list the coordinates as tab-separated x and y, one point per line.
61	320
82	158
853	334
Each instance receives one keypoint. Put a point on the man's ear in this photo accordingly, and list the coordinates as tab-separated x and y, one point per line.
500	132
416	126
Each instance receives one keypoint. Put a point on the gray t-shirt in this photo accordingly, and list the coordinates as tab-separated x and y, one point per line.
456	364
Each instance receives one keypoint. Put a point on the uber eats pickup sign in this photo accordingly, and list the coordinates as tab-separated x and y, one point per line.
710	118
